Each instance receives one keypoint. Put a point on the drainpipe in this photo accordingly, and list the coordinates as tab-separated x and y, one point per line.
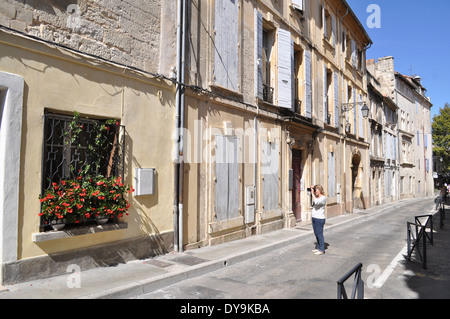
179	123
182	100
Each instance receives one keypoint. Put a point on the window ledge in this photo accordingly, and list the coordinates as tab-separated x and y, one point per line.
78	231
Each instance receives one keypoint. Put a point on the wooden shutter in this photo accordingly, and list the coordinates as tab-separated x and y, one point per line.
331	175
354	54
336	98
360	117
226	55
333	30
308	86
227	177
270	174
325	93
284	69
354	112
258	55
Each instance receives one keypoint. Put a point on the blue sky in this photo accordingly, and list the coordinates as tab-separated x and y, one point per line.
417	34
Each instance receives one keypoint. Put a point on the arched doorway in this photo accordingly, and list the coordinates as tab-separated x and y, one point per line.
357	181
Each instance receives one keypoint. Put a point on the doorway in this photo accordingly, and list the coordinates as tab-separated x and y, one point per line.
297	177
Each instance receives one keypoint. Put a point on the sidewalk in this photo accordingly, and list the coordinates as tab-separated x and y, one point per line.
137	277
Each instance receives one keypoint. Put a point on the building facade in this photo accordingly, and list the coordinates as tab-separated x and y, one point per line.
98	59
415	178
226	111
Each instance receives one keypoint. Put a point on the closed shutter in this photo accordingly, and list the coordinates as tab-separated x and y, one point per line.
270	174
360	117
284	69
333	30
336	99
354	112
331	175
258	55
227	177
226	44
308	86
325	94
354	54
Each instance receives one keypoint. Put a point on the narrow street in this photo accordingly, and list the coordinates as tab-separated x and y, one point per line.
294	272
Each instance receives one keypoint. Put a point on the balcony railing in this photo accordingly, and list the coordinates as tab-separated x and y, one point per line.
267	94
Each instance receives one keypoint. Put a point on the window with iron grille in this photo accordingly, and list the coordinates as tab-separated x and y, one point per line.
76	147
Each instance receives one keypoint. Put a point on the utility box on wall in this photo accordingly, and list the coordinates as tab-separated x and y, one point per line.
144	181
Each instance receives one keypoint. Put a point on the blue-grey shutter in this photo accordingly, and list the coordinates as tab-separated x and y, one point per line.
331	175
233	177
221	180
284	69
336	99
325	93
227	177
258	55
226	44
308	86
360	117
270	174
354	112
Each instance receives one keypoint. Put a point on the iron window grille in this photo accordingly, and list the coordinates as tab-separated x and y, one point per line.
65	158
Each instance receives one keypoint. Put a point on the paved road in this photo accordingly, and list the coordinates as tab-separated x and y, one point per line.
377	241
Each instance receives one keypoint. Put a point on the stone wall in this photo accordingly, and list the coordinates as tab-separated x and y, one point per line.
124	31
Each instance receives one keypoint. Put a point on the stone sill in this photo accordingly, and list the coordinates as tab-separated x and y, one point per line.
78	231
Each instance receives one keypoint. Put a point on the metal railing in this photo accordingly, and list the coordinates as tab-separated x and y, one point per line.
358	284
416	242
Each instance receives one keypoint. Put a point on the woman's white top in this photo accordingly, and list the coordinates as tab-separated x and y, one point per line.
318	210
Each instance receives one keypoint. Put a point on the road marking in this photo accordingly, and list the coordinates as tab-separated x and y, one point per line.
390	268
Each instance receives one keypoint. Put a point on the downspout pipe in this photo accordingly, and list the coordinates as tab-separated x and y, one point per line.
182	107
176	154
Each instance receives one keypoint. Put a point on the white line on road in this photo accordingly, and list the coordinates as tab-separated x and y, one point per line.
390	268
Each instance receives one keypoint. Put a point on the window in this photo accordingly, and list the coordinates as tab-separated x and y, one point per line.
298	5
298	88
68	154
268	40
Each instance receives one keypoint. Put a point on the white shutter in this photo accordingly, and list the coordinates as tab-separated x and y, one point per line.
333	30
354	54
324	23
258	55
284	69
336	99
308	87
298	4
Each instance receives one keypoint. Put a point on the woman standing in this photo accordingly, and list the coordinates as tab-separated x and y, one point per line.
318	217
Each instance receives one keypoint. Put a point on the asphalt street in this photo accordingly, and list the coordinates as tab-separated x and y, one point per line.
273	266
378	241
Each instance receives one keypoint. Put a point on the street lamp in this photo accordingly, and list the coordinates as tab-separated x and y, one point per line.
349	106
364	110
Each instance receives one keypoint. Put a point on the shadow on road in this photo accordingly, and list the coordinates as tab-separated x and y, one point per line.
434	281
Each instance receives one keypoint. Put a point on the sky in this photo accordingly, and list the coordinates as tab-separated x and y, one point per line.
417	34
